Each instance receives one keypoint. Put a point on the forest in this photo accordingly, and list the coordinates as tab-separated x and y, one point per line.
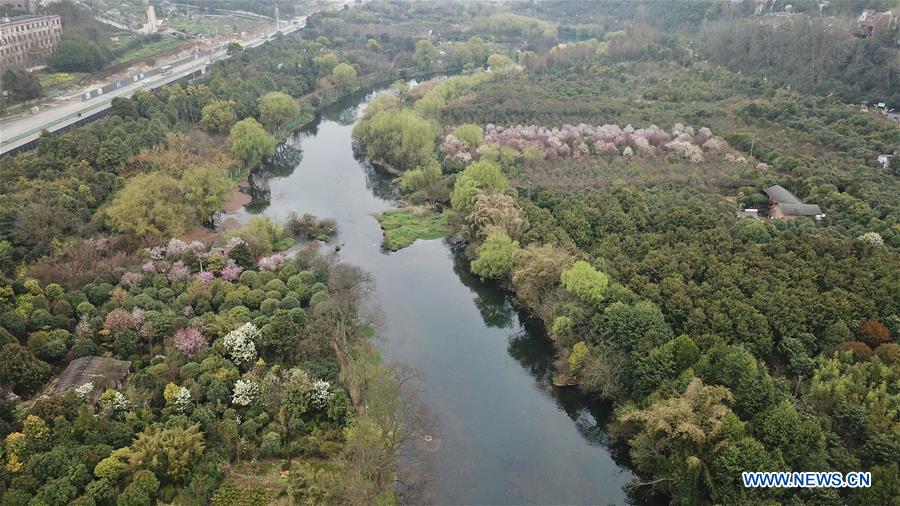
596	164
248	368
600	182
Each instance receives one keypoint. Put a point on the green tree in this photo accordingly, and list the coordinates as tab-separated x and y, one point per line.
326	62
585	281
469	133
747	379
424	54
495	256
141	491
799	437
150	204
20	370
169	453
627	326
276	108
234	48
478	176
401	139
21	85
343	75
218	116
77	54
205	189
677	440
250	142
261	233
499	61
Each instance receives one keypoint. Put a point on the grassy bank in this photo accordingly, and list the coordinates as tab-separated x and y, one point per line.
402	227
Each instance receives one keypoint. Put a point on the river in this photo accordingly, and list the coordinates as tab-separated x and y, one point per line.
506	434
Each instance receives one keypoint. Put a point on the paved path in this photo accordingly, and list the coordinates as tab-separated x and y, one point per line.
17	131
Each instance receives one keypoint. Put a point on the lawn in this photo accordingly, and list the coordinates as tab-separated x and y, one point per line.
403	226
53	80
213	25
147	50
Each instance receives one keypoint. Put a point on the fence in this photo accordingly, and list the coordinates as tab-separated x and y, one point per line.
134	78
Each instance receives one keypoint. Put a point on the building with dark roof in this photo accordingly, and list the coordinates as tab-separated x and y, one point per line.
101	372
784	205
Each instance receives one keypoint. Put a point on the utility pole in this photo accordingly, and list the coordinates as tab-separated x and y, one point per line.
277	27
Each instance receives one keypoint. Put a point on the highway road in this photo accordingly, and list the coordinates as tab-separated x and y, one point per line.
17	131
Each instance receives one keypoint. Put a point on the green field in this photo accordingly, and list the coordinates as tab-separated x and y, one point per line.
148	50
54	80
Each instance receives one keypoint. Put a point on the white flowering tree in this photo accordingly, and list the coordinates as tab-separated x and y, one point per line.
320	394
84	390
245	392
241	343
182	400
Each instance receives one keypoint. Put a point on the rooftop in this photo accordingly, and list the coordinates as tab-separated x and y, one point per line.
789	202
25	19
103	372
781	195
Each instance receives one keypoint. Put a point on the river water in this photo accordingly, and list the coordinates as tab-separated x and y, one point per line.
506	434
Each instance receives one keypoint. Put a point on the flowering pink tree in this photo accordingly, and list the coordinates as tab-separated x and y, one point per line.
270	263
178	272
189	341
231	271
131	279
582	141
118	320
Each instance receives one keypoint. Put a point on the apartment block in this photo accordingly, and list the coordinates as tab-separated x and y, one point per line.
25	40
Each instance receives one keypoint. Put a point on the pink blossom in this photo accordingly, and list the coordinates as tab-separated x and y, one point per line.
137	317
233	243
178	272
270	263
131	279
189	341
149	267
231	271
119	320
206	276
176	248
156	252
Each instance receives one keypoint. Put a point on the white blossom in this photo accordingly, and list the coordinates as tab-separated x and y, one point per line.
240	343
84	390
873	238
245	393
320	394
182	400
115	404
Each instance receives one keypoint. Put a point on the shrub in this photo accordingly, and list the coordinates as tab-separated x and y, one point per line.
576	358
270	446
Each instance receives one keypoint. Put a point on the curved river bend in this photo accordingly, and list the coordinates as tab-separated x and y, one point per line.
507	435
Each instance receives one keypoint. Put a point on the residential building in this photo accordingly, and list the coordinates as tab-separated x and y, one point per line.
784	205
26	39
871	21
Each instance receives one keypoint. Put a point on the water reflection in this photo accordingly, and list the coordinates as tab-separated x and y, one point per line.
281	165
508	436
496	310
534	351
